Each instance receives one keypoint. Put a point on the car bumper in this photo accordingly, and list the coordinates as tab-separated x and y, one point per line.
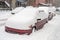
18	31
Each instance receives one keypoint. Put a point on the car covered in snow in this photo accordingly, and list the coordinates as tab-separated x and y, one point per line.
26	20
22	22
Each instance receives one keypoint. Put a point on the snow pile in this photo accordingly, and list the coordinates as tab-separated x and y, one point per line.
49	31
56	20
4	15
56	34
17	9
29	6
23	19
52	9
43	12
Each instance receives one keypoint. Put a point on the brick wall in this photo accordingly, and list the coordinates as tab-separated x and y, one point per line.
40	1
56	3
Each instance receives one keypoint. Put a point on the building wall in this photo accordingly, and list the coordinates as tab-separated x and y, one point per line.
6	0
40	1
13	4
36	2
1	0
9	1
56	3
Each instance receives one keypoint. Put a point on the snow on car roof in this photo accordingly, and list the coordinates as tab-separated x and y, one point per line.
43	12
27	13
46	9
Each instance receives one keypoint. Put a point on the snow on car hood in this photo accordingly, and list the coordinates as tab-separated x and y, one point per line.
23	19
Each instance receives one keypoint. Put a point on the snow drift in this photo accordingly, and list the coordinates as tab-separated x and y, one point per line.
4	15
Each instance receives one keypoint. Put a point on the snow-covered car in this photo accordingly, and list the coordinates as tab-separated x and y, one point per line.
23	22
16	10
27	19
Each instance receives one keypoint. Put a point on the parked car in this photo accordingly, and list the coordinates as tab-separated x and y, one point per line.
22	23
26	20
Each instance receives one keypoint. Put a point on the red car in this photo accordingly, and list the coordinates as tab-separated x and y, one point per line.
22	23
26	20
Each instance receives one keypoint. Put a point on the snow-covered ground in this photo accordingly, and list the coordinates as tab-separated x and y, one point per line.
4	15
50	31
